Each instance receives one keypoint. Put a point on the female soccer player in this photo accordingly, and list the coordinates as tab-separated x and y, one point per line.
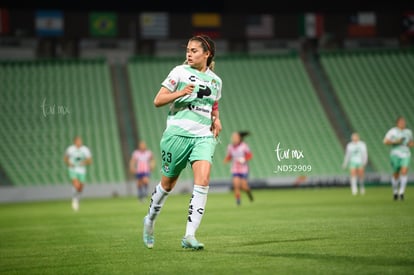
77	157
192	90
356	158
238	152
141	165
401	140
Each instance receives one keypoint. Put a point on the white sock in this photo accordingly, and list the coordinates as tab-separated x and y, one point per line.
354	189
403	184
145	190
158	198
394	183
196	209
362	186
75	194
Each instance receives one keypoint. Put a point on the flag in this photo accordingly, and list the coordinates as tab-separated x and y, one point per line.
408	23
49	22
260	26
103	24
362	24
206	23
154	25
312	25
4	21
212	20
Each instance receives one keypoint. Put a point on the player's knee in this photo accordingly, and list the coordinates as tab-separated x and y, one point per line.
203	181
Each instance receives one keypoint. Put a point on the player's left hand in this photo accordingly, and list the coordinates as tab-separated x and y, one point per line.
216	126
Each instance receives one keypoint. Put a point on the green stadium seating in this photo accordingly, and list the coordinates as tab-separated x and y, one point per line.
35	99
374	88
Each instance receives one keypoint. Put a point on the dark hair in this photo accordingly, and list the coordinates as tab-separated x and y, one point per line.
243	134
208	45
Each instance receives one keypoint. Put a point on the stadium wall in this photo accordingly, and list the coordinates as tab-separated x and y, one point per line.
12	194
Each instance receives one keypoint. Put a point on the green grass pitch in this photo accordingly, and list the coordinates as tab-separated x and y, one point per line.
284	231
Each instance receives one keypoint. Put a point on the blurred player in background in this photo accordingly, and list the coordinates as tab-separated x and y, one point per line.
77	157
141	165
401	140
356	158
239	154
192	91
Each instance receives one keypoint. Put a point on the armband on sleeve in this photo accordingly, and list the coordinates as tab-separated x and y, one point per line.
215	106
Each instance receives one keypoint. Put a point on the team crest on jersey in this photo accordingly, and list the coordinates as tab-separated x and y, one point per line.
214	84
166	168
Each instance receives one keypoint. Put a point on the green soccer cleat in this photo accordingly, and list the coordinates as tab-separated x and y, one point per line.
148	236
192	243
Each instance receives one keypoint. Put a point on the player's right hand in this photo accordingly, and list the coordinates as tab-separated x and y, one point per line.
187	89
241	160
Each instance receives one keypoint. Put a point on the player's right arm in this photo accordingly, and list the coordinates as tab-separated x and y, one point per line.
165	96
132	164
228	156
66	159
389	140
346	157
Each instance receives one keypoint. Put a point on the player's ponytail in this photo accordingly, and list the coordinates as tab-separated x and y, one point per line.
243	134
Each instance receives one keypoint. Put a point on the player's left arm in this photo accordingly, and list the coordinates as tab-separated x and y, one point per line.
248	155
365	155
215	117
88	159
410	140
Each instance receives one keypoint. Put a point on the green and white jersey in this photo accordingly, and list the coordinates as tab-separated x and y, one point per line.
400	150
76	156
356	153
191	115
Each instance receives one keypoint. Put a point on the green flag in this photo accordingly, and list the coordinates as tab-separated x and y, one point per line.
103	24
